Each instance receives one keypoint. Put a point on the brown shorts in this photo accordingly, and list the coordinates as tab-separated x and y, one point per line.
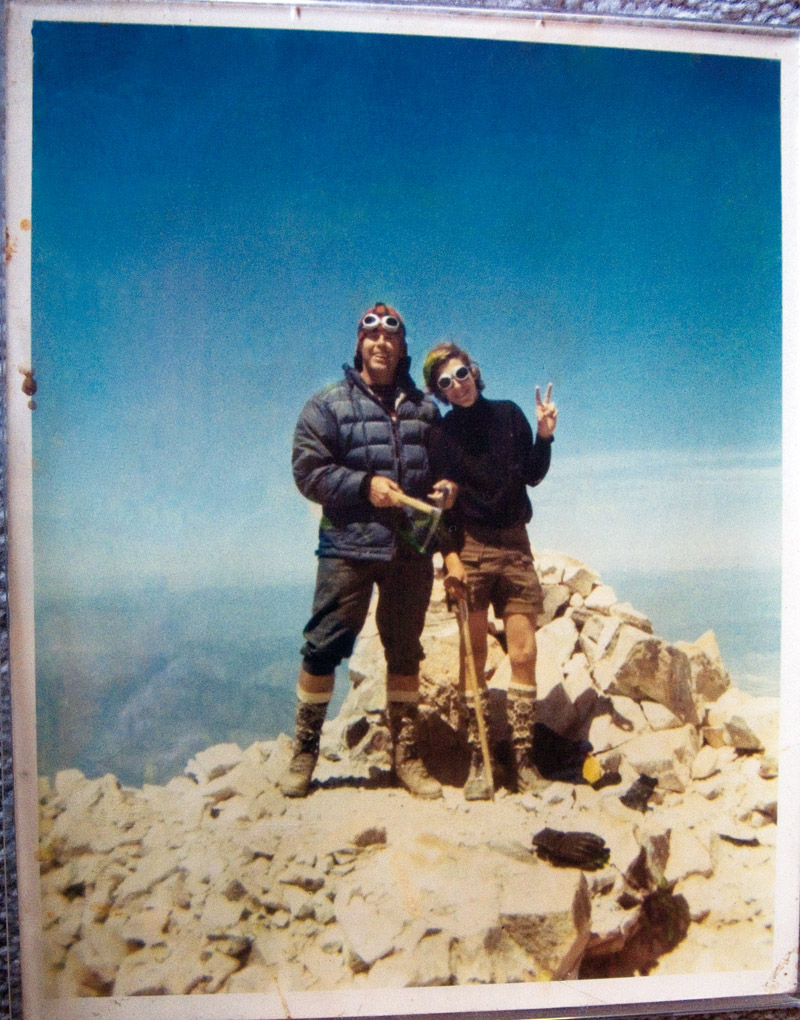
500	571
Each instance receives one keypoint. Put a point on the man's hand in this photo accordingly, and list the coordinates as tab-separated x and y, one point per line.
455	583
444	494
383	491
546	413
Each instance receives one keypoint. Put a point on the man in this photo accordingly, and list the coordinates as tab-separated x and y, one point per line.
358	445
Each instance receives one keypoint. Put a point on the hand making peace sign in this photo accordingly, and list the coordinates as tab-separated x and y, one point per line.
546	413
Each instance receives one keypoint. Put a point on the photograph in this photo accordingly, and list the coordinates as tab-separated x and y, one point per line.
402	444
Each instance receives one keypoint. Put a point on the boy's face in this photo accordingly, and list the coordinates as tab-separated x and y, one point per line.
463	392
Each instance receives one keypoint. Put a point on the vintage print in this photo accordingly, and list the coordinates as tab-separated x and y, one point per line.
404	398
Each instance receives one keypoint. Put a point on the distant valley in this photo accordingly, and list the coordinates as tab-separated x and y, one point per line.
137	683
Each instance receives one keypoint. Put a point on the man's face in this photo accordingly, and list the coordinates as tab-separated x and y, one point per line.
381	352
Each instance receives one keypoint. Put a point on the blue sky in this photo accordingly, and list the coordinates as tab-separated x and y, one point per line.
214	208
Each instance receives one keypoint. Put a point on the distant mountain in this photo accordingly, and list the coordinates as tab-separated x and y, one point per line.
137	683
133	683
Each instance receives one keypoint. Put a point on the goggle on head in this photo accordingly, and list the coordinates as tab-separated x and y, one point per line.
381	316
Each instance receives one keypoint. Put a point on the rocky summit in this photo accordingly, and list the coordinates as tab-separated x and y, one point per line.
214	882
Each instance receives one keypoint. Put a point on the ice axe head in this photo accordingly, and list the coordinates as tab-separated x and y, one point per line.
424	520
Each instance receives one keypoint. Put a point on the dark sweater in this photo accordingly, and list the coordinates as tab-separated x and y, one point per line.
494	456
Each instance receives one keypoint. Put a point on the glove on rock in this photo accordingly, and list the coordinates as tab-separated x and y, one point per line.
638	794
572	849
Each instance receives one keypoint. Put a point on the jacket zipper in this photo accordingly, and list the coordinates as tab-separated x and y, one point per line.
395	442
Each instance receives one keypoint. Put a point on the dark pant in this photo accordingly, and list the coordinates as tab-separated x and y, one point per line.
341	602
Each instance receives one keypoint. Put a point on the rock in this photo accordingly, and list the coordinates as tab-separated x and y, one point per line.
647	871
279	758
143	974
602	598
706	763
216	883
425	964
633	717
472	962
68	780
746	722
219	914
643	667
372	836
303	878
250	980
667	755
604	735
597	637
659	717
370	935
214	762
149	872
615	914
710	679
550	566
555	643
96	958
699	894
549	921
687	856
625	612
579	578
556	598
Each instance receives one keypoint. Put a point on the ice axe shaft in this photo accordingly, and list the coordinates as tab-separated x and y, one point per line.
472	682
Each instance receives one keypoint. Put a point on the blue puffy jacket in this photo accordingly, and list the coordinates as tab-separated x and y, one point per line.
343	435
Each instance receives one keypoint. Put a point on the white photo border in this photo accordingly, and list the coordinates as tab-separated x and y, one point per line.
586	998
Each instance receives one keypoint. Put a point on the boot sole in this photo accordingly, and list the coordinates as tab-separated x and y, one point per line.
290	792
435	793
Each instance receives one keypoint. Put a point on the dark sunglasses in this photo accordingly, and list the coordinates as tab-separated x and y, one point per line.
446	381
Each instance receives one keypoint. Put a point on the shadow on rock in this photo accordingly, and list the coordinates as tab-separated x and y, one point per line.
376	781
663	925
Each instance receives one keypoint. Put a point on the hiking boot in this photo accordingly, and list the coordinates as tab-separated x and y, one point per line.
417	780
309	718
408	766
529	778
297	778
522	716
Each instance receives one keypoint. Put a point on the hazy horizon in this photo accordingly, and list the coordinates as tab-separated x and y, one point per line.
137	683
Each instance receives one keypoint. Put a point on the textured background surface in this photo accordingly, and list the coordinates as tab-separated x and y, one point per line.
770	15
752	13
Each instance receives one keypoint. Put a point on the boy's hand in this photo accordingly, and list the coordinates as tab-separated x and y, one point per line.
546	413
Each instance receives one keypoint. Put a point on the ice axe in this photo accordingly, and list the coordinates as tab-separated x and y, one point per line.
462	615
433	514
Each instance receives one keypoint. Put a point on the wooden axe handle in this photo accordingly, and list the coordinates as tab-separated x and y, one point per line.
462	615
417	504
